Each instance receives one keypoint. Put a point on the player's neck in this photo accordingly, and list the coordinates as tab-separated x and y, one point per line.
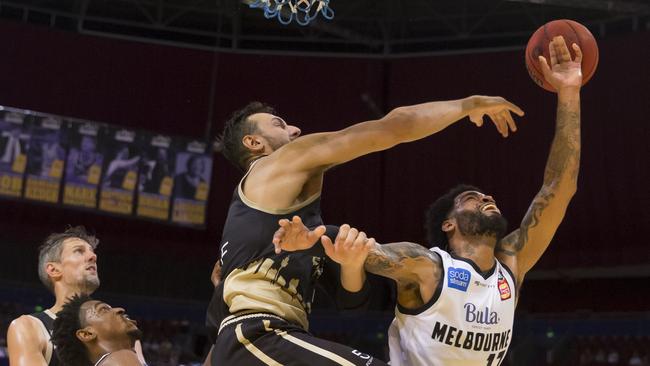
63	293
478	249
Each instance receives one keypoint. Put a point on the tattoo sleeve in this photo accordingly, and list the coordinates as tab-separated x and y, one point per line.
560	181
403	261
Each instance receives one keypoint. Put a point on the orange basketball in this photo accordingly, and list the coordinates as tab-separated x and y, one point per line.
573	32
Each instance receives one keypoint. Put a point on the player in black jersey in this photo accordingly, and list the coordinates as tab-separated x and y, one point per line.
67	265
91	332
260	310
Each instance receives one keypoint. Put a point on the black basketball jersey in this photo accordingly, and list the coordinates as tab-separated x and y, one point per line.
254	278
48	323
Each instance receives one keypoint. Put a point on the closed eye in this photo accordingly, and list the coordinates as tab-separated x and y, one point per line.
280	123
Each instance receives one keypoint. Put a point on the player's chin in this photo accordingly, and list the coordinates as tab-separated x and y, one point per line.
135	333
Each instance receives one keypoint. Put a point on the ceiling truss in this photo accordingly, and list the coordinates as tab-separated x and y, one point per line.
364	28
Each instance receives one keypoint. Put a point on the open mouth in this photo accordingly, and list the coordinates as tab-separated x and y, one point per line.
92	268
489	207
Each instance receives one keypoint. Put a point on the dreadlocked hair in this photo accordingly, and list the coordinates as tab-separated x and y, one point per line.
439	211
70	350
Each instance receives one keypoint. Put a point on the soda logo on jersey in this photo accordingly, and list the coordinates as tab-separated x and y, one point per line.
504	288
485	316
477	341
458	278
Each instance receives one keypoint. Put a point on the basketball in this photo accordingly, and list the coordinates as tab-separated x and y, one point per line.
573	32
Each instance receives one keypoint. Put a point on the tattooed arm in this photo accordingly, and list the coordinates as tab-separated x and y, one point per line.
521	249
416	270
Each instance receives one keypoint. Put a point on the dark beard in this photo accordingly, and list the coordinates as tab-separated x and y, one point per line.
135	334
474	223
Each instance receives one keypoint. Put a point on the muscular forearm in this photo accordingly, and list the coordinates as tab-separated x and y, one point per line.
528	243
417	121
399	261
561	171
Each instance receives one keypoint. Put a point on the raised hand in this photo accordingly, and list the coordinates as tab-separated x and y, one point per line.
497	109
563	72
350	248
294	235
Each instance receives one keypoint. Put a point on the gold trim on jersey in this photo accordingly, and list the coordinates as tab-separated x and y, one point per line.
259	287
245	316
271	211
313	348
254	350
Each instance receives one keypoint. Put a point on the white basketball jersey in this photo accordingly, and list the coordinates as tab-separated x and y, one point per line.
468	322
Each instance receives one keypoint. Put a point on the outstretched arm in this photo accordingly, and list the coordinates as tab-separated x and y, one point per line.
349	249
403	124
521	249
416	270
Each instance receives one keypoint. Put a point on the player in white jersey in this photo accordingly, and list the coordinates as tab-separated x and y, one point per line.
456	306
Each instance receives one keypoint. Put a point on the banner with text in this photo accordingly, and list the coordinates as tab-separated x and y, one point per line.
156	181
45	158
83	167
58	160
14	139
193	170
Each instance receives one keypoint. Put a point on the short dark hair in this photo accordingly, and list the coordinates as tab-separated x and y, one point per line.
50	250
70	349
229	143
439	211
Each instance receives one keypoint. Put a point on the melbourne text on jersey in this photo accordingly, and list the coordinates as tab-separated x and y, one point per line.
476	341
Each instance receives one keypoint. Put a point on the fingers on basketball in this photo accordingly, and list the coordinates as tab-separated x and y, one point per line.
578	53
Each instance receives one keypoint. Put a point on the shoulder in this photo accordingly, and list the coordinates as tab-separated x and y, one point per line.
25	324
25	333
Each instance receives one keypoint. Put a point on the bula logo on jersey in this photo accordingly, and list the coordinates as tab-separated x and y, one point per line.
458	278
485	316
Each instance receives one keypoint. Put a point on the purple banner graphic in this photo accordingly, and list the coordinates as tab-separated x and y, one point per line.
45	159
14	140
155	180
191	183
84	165
122	157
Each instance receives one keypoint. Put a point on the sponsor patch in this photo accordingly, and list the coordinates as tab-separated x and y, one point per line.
504	288
458	278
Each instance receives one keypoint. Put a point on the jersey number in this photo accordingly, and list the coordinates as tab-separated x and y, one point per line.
499	358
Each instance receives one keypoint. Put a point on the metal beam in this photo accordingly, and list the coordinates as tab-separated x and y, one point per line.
608	5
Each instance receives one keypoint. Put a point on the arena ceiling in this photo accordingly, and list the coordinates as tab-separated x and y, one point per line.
366	28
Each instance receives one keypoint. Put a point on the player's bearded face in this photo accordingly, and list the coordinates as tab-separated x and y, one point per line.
477	223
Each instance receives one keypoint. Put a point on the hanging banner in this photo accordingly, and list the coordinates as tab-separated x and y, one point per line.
193	169
122	157
45	158
84	165
155	180
13	152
